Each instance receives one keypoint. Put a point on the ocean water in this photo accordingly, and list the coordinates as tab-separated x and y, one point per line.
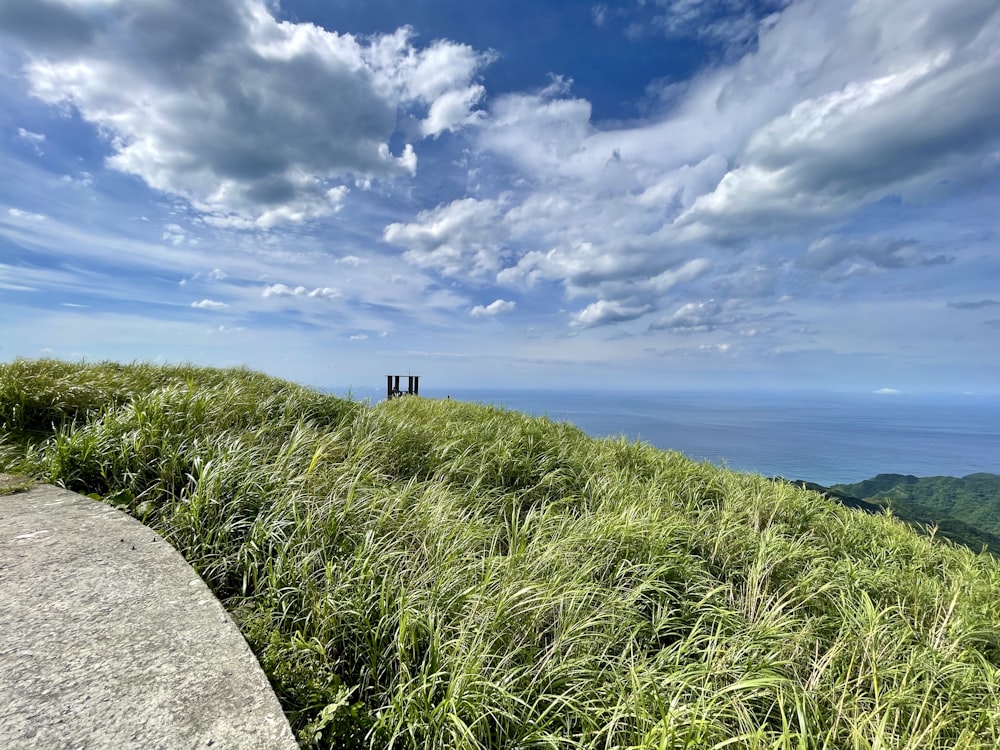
827	438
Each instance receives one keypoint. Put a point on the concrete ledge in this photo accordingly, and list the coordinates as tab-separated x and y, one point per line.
109	639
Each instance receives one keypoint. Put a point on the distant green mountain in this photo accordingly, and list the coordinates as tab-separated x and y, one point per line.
974	499
965	510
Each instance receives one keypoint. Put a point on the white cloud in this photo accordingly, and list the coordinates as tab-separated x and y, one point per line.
439	77
837	105
83	180
731	23
452	110
709	315
359	337
11	286
324	292
604	312
687	272
16	213
735	185
839	258
216	274
537	132
282	290
209	304
174	234
35	139
911	105
460	238
197	104
722	348
496	307
696	317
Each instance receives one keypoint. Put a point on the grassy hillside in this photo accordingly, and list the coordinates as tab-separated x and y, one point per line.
437	574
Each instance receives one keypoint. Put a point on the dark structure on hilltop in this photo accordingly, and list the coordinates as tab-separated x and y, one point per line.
392	389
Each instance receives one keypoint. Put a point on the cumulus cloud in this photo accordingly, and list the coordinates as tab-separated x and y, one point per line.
253	120
603	312
689	271
736	184
461	238
282	290
623	297
496	307
855	256
538	131
440	77
174	234
835	106
914	102
209	304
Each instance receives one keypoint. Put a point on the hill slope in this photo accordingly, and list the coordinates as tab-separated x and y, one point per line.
437	574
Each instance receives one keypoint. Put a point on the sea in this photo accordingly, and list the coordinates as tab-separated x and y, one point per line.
828	438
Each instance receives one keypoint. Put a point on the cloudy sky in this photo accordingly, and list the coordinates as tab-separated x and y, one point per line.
634	194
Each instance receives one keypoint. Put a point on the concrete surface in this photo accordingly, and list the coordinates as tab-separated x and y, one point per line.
109	639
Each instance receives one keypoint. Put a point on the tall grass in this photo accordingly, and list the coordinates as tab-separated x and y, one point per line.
436	574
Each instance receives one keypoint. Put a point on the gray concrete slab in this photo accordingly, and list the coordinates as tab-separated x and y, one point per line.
109	639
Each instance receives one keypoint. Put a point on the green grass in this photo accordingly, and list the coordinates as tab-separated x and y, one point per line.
435	574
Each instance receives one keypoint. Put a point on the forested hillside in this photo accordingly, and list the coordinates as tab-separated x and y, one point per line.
965	509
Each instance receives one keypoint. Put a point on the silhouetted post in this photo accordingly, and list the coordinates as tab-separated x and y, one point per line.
392	389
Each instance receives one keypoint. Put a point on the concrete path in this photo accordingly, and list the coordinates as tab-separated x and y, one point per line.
109	639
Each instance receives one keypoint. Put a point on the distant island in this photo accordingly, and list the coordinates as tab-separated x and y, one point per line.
964	510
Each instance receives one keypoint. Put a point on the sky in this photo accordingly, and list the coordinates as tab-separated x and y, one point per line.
641	195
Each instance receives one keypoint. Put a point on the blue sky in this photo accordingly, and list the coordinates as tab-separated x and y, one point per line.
644	194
